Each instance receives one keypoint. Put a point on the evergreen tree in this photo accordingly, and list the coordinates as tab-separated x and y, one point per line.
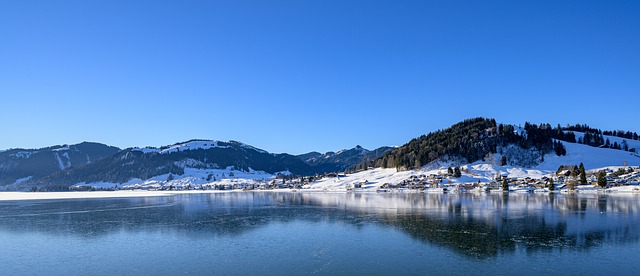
503	160
450	171
505	185
602	180
552	186
575	172
583	175
456	172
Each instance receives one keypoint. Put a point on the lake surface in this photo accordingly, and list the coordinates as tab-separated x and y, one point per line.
262	233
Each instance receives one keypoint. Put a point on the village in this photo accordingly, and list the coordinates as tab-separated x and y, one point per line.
566	179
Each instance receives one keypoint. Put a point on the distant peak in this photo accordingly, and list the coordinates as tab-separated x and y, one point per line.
195	144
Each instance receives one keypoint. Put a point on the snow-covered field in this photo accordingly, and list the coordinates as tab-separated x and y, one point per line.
191	177
591	157
73	195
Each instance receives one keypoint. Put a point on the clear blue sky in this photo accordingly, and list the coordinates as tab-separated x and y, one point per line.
297	76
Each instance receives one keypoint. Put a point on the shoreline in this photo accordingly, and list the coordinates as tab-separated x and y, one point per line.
17	196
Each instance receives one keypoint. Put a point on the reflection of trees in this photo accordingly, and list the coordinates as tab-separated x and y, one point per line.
477	225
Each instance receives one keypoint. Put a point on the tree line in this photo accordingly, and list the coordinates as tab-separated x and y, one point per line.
475	138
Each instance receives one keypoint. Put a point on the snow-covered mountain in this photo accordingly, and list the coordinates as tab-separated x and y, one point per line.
341	160
20	165
147	163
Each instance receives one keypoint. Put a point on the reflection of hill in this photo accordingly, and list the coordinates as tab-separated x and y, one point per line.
470	224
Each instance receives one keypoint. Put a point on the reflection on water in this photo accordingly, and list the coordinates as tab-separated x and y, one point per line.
472	225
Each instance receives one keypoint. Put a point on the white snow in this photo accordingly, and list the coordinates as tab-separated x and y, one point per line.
591	157
191	177
60	164
72	195
374	177
192	146
23	154
63	148
66	155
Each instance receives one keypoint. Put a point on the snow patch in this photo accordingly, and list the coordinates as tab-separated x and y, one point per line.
60	163
22	154
21	180
63	148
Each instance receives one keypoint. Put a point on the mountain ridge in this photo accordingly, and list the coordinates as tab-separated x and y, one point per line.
465	142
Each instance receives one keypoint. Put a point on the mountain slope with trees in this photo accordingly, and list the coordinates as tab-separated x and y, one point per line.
136	163
344	159
18	165
470	140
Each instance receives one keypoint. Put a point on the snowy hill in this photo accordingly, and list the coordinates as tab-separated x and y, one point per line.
593	159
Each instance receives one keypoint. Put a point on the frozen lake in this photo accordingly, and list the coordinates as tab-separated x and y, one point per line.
261	233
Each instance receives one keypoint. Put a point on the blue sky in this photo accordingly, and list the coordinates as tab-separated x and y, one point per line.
297	76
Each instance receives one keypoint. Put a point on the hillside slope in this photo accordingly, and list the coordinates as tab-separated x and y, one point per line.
20	165
145	163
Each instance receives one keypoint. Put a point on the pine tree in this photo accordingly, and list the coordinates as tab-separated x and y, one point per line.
552	186
583	175
456	172
602	180
505	185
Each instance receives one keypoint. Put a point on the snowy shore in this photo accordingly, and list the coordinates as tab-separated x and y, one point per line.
8	196
78	195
